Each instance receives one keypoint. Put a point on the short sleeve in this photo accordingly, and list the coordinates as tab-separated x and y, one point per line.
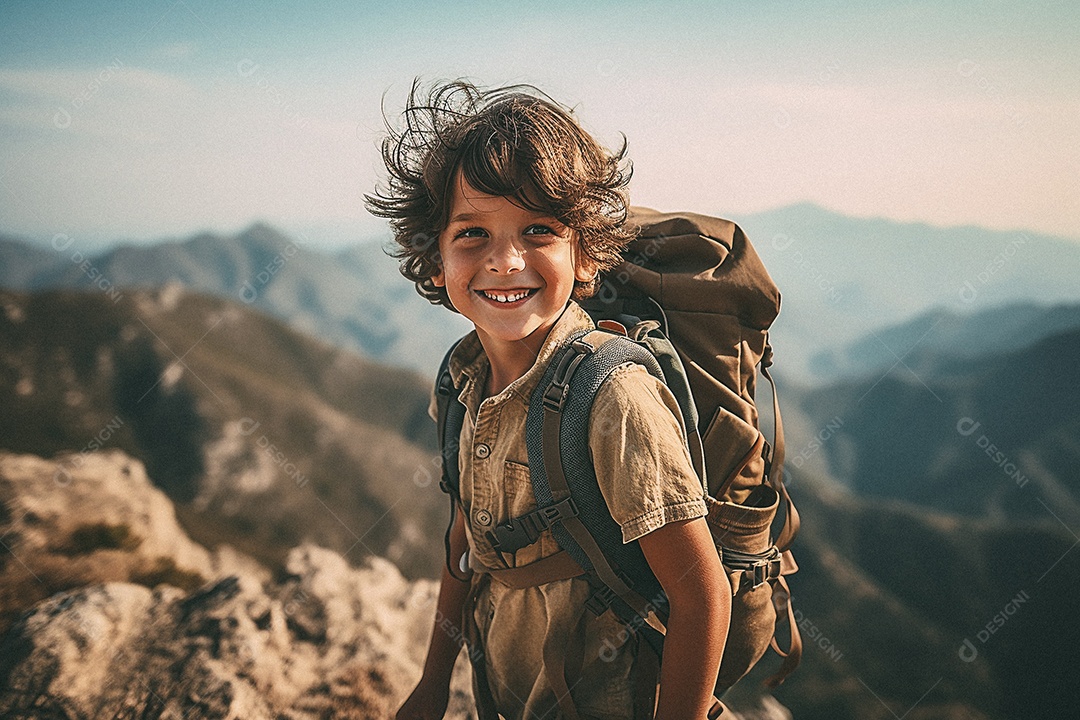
638	447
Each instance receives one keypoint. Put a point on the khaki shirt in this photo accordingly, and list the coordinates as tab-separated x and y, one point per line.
645	473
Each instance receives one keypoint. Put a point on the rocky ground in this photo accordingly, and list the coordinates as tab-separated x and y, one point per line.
114	612
111	611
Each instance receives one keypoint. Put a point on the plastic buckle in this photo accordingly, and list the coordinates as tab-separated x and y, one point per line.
765	570
759	575
559	511
511	536
446	384
600	600
555	397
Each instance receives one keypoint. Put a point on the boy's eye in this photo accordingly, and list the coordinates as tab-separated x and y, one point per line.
474	232
478	232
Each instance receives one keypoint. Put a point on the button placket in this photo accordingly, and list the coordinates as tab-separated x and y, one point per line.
484	489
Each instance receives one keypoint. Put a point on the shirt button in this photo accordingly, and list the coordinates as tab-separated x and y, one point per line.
483	517
482	451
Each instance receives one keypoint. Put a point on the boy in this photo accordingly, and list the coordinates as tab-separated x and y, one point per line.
505	211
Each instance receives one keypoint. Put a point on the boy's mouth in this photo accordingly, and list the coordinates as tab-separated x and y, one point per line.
507	297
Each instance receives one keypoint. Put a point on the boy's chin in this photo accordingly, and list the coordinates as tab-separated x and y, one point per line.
511	334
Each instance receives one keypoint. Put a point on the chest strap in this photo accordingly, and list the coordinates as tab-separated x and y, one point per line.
559	566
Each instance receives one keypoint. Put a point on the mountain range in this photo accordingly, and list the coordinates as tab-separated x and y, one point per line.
840	277
353	298
262	437
995	435
925	338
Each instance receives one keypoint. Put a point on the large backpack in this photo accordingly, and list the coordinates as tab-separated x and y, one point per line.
693	303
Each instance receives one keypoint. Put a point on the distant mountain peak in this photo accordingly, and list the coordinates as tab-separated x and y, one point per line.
262	233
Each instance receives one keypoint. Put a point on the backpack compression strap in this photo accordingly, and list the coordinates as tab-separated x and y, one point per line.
775	464
775	473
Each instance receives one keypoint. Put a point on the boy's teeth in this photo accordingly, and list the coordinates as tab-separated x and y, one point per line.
506	298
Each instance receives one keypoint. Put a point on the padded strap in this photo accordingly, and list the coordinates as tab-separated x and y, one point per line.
450	417
560	489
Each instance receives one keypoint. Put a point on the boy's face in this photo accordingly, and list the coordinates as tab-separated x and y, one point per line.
507	269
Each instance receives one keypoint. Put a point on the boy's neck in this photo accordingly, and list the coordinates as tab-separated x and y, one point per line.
510	360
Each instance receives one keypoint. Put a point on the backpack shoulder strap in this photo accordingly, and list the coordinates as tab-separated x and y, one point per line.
450	419
650	334
561	468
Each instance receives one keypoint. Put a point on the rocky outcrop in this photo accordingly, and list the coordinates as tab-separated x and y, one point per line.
94	517
328	642
321	640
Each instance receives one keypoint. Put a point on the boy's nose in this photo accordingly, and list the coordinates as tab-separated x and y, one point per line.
506	256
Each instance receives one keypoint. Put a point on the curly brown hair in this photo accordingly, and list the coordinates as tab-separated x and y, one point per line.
513	141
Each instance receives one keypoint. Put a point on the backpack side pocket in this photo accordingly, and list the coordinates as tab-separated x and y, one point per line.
745	529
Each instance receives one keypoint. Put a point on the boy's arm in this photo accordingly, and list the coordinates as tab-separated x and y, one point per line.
684	560
432	693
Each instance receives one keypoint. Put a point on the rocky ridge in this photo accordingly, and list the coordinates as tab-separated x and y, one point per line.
117	640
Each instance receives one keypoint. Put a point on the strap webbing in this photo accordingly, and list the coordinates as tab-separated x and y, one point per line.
559	566
794	651
485	701
450	417
555	663
776	468
646	674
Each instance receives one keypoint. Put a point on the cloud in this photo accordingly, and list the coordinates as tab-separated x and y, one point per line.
92	102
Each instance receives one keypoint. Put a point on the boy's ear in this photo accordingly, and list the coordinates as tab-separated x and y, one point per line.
438	279
584	269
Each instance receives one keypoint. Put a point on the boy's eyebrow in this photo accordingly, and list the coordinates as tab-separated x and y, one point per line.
466	216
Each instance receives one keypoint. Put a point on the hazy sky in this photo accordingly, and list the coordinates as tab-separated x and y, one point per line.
145	119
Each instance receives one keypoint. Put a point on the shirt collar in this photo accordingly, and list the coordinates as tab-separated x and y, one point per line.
469	363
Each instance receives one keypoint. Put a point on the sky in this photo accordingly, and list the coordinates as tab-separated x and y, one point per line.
137	121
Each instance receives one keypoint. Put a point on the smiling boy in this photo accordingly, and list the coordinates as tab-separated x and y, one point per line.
527	210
